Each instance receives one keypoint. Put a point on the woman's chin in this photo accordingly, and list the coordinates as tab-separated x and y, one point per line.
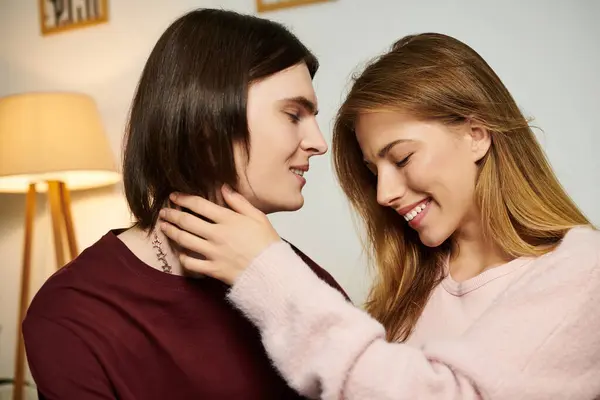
431	239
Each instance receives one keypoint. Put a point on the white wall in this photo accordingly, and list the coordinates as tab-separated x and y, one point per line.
546	52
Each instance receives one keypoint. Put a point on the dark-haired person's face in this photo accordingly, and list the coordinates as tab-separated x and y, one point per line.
284	135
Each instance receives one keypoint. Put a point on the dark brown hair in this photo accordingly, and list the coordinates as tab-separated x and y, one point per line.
524	209
190	104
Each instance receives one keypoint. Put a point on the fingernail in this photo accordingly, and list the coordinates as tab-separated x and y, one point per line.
173	196
162	213
227	188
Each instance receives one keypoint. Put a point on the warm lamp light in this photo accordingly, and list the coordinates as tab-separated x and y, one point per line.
52	142
53	137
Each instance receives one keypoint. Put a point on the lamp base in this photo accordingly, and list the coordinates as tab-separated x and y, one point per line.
62	226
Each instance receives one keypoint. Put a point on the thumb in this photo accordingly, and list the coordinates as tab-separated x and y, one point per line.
239	203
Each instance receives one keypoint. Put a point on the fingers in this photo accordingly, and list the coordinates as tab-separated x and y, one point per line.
238	203
185	239
187	222
197	245
205	267
200	206
196	265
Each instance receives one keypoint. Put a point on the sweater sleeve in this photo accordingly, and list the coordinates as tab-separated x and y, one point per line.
539	341
61	364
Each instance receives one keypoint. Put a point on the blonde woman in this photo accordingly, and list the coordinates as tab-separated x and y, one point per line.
488	280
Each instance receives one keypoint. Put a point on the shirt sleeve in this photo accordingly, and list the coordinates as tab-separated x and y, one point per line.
538	341
61	364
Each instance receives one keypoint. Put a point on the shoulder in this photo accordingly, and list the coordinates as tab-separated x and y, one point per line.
64	290
572	265
317	269
581	244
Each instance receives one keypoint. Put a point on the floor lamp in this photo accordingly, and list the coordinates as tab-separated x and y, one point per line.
54	143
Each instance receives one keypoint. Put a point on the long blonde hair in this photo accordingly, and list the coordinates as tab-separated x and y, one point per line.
524	209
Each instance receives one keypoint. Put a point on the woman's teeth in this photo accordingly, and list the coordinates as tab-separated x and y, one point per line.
416	211
297	171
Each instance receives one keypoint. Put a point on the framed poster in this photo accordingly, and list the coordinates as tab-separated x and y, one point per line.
272	5
62	15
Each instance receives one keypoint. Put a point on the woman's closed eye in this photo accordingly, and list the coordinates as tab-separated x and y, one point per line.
404	161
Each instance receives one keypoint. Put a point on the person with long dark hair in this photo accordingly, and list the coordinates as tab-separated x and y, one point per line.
223	98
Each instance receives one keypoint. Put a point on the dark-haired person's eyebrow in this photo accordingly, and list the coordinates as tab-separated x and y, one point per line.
308	105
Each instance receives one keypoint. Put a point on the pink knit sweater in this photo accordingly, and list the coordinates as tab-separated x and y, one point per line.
529	329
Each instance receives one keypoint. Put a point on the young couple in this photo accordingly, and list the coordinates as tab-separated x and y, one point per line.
488	273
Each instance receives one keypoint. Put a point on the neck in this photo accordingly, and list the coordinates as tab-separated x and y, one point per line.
140	243
165	252
472	253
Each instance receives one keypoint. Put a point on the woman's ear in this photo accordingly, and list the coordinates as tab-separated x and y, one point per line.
481	139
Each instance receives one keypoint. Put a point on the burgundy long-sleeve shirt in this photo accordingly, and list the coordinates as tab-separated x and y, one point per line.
108	326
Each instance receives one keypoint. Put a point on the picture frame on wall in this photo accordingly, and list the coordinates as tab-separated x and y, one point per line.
63	15
272	5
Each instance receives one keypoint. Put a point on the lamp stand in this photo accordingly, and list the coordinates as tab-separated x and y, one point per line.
62	226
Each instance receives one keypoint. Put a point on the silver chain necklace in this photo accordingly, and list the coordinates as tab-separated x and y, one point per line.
160	254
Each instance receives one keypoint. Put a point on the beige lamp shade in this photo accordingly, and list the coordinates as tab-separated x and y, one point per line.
53	137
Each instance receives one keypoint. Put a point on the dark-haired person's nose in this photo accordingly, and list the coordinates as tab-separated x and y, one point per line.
314	142
391	188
